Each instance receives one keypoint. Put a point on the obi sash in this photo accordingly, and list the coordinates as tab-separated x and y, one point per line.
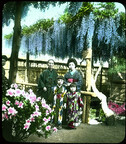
58	96
72	80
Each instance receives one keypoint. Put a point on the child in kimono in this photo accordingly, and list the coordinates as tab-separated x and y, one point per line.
74	107
59	102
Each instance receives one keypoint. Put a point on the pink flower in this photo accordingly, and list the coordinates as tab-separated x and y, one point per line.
55	129
18	92
43	104
36	113
27	96
47	112
32	119
10	92
8	103
48	128
4	107
23	93
20	105
32	98
6	116
12	111
38	99
45	121
28	121
49	118
47	106
16	102
15	86
37	107
27	125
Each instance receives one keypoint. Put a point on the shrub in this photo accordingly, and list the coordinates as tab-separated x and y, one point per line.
23	114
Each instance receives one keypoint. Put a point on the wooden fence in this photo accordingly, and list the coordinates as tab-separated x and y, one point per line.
28	74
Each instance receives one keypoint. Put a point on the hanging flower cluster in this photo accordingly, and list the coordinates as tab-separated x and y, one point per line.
27	113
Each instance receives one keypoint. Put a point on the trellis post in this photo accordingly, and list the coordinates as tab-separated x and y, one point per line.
87	99
27	67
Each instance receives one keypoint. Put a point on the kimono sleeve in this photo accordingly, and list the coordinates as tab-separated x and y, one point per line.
41	81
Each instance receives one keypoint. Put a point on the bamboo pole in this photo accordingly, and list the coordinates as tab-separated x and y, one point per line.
88	56
89	93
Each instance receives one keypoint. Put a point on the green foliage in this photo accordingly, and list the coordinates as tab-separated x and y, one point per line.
68	18
117	65
86	8
9	36
105	10
43	24
102	116
122	20
26	114
65	18
92	115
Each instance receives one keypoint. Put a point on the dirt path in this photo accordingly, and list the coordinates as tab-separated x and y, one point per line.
85	134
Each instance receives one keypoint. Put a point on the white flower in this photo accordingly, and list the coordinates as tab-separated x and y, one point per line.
48	128
26	126
38	99
45	120
10	92
55	129
4	107
12	111
36	113
8	102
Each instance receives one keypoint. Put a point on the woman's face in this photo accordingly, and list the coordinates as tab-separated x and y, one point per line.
71	66
51	64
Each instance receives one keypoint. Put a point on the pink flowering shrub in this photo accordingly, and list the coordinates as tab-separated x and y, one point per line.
27	113
118	109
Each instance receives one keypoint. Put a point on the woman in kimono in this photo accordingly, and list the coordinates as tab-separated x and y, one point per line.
47	80
73	75
74	107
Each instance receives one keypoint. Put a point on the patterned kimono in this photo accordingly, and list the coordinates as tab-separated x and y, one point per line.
74	108
58	105
74	77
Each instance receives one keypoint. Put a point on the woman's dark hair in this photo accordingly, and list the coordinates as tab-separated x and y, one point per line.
72	60
73	85
4	57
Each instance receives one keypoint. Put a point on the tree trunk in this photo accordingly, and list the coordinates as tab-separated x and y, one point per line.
108	112
15	44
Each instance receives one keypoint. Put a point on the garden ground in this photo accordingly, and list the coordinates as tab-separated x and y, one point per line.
85	133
